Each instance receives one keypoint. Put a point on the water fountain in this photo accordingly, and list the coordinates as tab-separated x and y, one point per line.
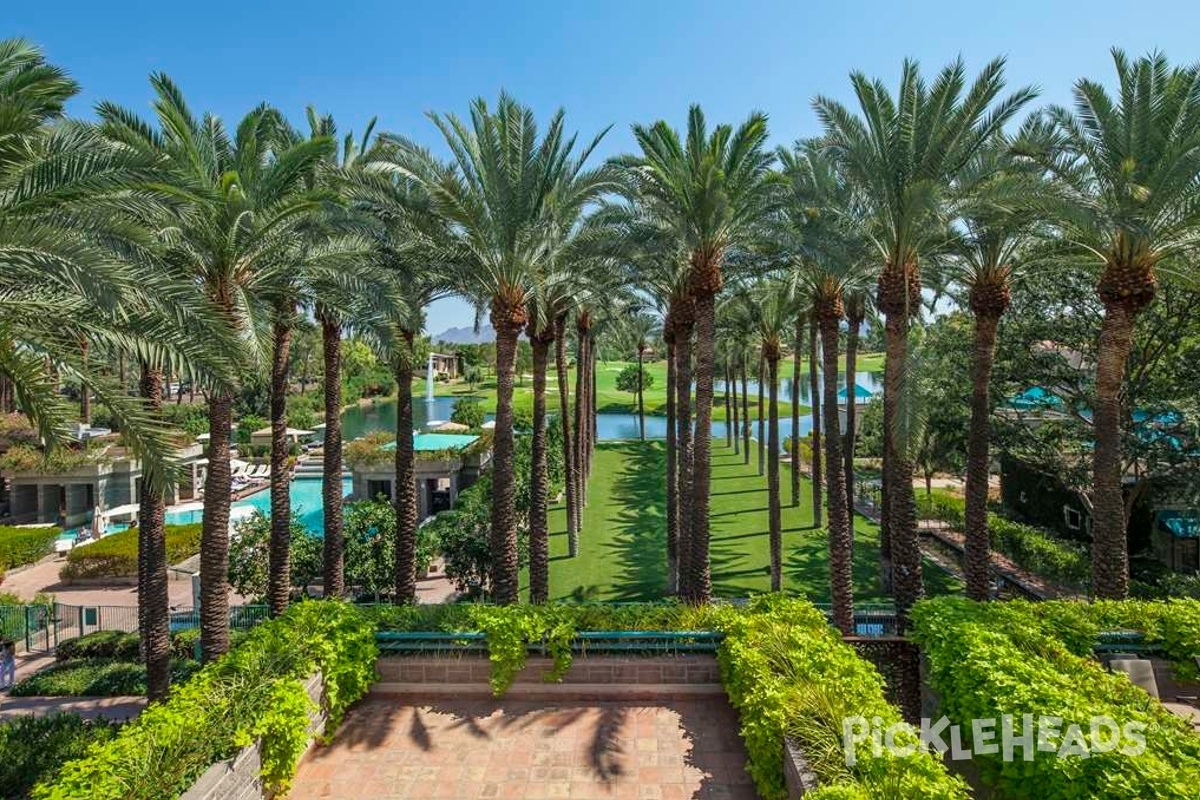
429	380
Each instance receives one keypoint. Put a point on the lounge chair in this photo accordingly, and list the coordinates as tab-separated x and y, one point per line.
264	471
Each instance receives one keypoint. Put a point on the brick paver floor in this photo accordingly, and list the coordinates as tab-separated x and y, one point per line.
522	749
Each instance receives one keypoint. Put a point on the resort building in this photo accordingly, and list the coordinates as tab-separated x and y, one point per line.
445	465
106	485
444	364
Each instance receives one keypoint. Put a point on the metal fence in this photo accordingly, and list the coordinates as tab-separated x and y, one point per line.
42	627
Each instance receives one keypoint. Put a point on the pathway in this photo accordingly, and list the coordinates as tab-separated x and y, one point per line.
112	708
522	749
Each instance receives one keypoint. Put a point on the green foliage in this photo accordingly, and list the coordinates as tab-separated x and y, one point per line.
788	674
627	379
30	458
95	677
116	555
20	546
989	660
511	630
256	692
368	451
101	644
1030	548
247	425
249	561
34	747
191	417
469	412
370	533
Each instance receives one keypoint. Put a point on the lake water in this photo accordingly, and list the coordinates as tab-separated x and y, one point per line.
381	415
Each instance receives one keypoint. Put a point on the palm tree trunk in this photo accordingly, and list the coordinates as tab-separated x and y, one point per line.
774	517
153	596
897	473
855	322
734	421
728	409
581	428
279	572
504	514
672	465
684	445
1110	550
841	539
978	547
214	536
564	390
595	422
404	488
798	347
814	394
706	323
641	396
539	479
762	380
745	413
331	485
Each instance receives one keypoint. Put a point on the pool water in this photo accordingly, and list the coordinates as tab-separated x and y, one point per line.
308	506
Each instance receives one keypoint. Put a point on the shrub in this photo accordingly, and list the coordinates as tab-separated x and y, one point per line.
115	556
34	747
1030	548
95	678
789	674
255	693
248	555
368	451
627	379
101	644
987	661
20	546
468	411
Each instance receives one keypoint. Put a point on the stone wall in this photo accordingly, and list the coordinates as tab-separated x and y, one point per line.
590	677
238	778
797	776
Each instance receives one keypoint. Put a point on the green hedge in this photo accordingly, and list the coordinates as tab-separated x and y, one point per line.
789	674
95	677
20	546
1030	548
987	661
254	693
35	747
115	556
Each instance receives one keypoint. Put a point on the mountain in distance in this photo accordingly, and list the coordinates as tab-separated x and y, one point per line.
466	335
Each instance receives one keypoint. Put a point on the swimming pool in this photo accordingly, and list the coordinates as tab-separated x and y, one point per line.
308	506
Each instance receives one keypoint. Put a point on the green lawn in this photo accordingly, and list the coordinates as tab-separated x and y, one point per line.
608	397
623	546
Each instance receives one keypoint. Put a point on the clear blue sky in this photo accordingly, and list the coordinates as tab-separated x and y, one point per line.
608	62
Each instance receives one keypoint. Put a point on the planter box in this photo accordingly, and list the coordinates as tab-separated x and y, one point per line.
238	778
799	779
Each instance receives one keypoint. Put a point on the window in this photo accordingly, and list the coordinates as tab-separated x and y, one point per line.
1073	518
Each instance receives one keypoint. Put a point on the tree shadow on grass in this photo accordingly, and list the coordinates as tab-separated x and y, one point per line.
639	544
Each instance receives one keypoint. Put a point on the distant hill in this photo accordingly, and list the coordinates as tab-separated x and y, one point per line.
465	335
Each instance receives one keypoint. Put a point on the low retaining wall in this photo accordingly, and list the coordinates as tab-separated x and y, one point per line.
797	776
589	678
238	778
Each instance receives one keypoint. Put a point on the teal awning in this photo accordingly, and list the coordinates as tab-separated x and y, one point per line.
860	393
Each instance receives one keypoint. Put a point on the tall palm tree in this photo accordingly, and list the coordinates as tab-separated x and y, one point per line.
1125	169
714	190
499	198
240	203
855	301
636	330
901	155
998	218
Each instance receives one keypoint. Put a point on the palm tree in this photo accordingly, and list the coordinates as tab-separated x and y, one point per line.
636	330
240	204
998	217
713	189
769	309
1125	171
855	301
499	198
900	155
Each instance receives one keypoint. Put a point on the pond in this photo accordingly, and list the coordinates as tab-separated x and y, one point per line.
381	415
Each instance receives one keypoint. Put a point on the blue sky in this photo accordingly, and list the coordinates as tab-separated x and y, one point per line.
608	63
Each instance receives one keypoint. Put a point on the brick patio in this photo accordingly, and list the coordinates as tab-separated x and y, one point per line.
526	749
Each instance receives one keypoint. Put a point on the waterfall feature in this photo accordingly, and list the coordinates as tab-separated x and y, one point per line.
429	380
